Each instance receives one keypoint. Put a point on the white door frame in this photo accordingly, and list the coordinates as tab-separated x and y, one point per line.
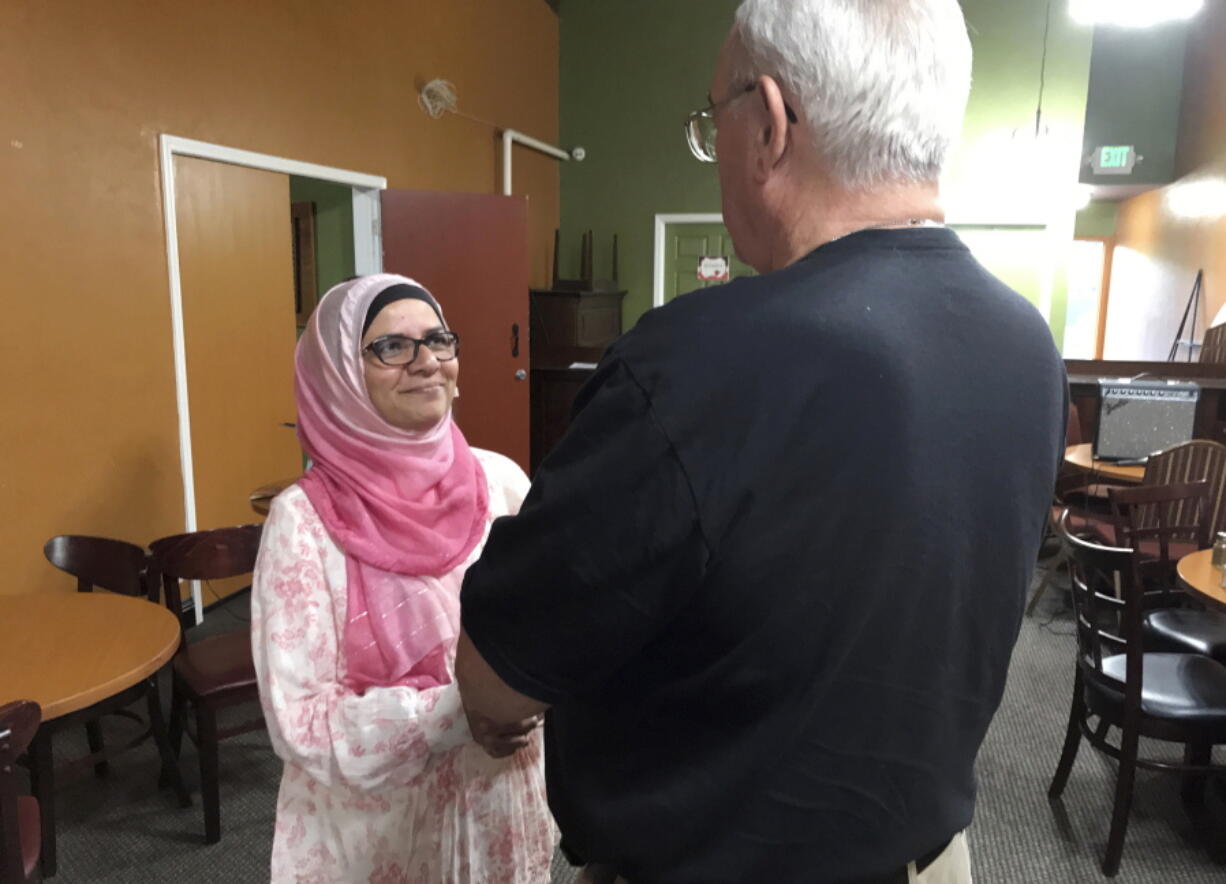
367	259
662	221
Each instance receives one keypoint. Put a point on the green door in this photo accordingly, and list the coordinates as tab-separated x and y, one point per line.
687	244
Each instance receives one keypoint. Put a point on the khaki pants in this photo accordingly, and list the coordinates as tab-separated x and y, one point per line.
953	866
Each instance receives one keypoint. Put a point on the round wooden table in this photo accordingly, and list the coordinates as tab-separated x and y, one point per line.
69	650
1196	572
261	498
1083	456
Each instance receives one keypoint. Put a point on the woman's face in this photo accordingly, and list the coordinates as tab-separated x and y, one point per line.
418	395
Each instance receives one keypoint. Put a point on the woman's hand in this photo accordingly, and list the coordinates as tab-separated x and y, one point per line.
500	741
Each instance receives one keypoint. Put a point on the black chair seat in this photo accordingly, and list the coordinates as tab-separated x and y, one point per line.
1186	688
1184	631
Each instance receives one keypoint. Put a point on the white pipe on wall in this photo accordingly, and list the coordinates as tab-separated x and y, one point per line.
511	136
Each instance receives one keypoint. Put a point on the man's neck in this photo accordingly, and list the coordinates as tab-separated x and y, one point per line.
825	216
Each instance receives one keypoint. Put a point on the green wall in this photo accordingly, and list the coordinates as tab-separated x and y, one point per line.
1001	174
333	228
632	70
1097	219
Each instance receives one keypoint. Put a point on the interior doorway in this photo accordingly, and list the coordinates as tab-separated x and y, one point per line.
231	268
682	240
323	240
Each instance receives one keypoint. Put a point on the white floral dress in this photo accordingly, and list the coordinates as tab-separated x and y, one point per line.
387	786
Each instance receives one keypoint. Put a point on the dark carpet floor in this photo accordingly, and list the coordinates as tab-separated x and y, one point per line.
121	829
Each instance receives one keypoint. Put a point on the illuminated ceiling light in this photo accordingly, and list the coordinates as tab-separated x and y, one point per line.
1197	200
1132	13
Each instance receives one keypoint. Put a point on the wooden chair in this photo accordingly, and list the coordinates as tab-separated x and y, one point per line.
1190	462
19	818
1081	494
113	565
215	672
1162	523
1186	462
120	567
1213	347
1178	698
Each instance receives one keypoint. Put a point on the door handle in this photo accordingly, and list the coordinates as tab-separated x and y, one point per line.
292	426
515	340
521	375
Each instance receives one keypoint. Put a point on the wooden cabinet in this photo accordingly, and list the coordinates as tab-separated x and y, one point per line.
573	326
553	396
570	332
572	323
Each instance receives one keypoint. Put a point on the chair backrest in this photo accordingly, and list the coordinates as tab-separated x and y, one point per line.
1153	519
101	562
203	555
1072	433
1213	347
1188	462
1107	608
18	722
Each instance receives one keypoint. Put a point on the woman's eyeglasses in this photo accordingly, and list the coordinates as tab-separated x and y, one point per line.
396	350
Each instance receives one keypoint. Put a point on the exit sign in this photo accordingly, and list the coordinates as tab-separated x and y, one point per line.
1114	159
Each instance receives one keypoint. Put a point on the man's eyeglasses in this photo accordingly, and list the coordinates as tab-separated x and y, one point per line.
401	349
700	128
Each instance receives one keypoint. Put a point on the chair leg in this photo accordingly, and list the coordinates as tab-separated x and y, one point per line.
1123	800
1047	581
178	711
1072	741
206	745
170	763
1192	790
42	784
93	734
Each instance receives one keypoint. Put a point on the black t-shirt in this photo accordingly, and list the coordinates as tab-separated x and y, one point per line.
771	578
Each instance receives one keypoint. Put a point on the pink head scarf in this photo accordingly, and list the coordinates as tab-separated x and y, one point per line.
406	508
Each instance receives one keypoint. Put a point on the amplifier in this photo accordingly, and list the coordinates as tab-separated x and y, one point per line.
1139	418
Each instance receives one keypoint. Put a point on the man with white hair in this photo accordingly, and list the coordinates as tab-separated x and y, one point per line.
769	583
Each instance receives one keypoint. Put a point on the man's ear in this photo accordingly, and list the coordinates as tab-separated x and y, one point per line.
773	134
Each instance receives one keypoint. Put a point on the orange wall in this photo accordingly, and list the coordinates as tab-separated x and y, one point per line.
1181	246
88	434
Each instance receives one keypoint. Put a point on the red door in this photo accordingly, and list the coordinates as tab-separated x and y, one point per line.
471	251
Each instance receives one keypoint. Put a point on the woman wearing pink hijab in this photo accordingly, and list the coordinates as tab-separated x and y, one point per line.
355	615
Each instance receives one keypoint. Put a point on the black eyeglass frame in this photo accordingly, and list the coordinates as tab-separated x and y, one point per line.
373	347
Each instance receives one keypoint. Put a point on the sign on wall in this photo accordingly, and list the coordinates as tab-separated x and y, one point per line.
1114	159
714	268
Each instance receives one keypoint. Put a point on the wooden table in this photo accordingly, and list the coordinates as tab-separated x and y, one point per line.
261	498
1196	572
1083	456
68	651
